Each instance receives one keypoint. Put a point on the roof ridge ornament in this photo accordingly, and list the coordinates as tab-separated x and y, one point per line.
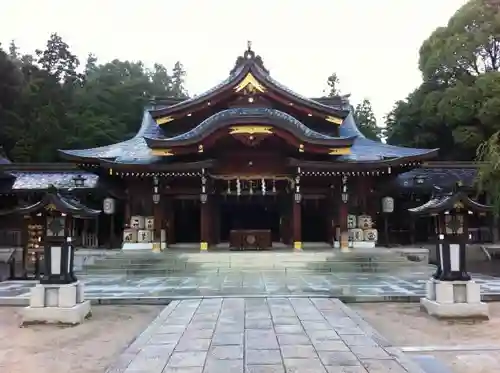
249	57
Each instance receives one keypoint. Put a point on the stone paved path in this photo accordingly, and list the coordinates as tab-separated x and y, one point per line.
261	335
346	286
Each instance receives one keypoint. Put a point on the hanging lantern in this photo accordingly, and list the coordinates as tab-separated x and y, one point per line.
108	206
274	186
238	187
229	187
263	185
387	204
345	194
59	263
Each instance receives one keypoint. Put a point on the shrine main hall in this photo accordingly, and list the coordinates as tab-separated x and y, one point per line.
247	164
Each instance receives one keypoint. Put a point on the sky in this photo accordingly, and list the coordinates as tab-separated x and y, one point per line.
372	45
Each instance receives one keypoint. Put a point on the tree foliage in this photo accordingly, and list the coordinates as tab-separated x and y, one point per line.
333	86
366	121
48	102
456	108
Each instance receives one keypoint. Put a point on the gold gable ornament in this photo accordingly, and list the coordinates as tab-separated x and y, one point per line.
458	205
51	207
250	83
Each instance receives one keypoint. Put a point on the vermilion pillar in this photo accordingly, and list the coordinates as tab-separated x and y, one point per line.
204	224
343	212
297	214
297	222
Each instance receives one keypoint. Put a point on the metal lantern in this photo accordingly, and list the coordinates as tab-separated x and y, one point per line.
79	181
298	197
156	198
345	197
387	204
203	198
108	206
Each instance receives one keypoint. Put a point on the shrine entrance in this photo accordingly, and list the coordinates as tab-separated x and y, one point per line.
315	220
187	220
249	213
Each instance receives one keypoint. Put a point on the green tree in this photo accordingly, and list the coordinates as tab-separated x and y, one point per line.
456	108
178	79
58	60
366	121
47	104
333	83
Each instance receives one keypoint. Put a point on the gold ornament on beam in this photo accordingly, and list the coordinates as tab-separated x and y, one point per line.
334	120
339	151
162	152
250	83
50	207
164	120
250	130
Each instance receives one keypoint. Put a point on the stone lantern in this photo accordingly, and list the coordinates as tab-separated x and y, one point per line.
451	292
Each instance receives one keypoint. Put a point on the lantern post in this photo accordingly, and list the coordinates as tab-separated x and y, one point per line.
387	208
450	292
108	207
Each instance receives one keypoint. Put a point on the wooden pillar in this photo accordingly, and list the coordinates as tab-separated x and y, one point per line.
169	219
158	222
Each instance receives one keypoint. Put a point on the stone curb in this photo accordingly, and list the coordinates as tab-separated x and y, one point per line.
393	351
126	357
164	300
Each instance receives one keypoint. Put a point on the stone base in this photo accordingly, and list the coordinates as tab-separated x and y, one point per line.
454	299
142	246
357	244
56	315
60	304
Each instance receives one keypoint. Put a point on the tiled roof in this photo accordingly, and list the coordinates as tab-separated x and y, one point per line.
368	150
445	178
134	150
68	205
447	202
42	180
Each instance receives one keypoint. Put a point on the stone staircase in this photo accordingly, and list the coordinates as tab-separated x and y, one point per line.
145	263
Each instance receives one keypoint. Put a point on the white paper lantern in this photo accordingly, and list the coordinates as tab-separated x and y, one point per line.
108	206
387	204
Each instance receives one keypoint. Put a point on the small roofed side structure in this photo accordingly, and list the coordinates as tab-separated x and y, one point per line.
49	220
54	201
452	201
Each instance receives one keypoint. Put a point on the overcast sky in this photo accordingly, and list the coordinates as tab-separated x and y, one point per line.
371	44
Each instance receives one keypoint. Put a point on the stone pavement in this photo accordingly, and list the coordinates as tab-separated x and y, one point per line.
349	287
261	335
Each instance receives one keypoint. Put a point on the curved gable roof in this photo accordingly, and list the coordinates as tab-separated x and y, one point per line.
249	63
234	116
